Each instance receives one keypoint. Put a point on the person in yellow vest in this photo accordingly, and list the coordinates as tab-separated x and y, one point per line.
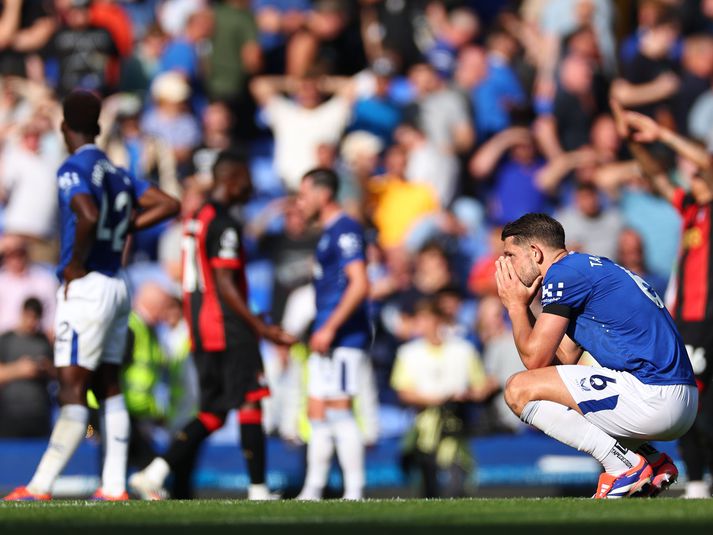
437	374
146	366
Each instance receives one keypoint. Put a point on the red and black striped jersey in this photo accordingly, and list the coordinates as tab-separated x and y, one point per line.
212	240
693	274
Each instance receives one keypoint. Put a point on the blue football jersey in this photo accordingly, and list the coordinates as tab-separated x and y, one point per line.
617	317
115	192
341	243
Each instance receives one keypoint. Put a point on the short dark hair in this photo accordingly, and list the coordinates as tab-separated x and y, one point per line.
32	304
232	155
535	227
81	111
324	178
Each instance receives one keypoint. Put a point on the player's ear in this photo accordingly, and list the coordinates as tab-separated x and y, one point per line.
537	254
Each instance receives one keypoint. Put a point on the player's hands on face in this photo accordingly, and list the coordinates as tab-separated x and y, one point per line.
511	290
70	273
321	340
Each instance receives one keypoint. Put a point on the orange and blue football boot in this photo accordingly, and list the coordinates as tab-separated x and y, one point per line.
99	496
665	474
21	494
634	480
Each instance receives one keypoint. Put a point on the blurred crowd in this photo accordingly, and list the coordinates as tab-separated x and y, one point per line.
444	119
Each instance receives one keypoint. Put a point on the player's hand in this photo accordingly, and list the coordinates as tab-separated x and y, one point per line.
511	290
321	340
646	130
277	336
70	273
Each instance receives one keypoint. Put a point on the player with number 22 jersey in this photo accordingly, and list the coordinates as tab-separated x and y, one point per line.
99	205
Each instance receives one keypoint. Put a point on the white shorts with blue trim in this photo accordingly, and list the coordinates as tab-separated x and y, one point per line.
335	376
624	407
91	324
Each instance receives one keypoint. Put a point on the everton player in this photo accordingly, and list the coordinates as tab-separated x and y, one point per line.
99	204
339	340
645	389
224	334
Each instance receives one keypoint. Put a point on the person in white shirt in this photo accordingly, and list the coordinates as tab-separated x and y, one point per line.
438	374
301	125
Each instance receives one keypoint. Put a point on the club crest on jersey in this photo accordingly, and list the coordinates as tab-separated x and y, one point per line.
549	292
228	243
323	243
349	244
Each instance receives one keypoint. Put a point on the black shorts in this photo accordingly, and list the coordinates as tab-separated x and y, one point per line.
229	379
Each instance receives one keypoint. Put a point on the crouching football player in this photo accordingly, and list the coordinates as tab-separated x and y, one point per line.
645	389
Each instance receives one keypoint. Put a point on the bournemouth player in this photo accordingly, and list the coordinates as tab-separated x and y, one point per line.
693	305
224	333
99	204
645	389
340	338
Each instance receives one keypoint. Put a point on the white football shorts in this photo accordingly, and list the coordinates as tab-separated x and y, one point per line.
335	376
624	407
91	324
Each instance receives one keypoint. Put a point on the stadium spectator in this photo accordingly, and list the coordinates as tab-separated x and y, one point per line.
588	225
26	26
491	83
330	38
184	54
79	52
396	205
437	375
277	22
170	120
25	368
27	187
451	31
376	111
290	250
300	126
630	255
235	52
441	112
145	366
427	164
509	160
21	279
145	156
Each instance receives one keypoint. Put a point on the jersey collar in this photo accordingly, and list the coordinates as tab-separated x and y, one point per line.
87	146
336	217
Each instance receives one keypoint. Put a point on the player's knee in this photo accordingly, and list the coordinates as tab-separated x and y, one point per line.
212	421
72	393
517	392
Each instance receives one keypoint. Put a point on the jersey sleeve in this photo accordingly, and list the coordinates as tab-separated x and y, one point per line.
71	182
350	246
564	291
223	245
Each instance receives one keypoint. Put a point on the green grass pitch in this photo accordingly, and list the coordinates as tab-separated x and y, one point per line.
435	517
